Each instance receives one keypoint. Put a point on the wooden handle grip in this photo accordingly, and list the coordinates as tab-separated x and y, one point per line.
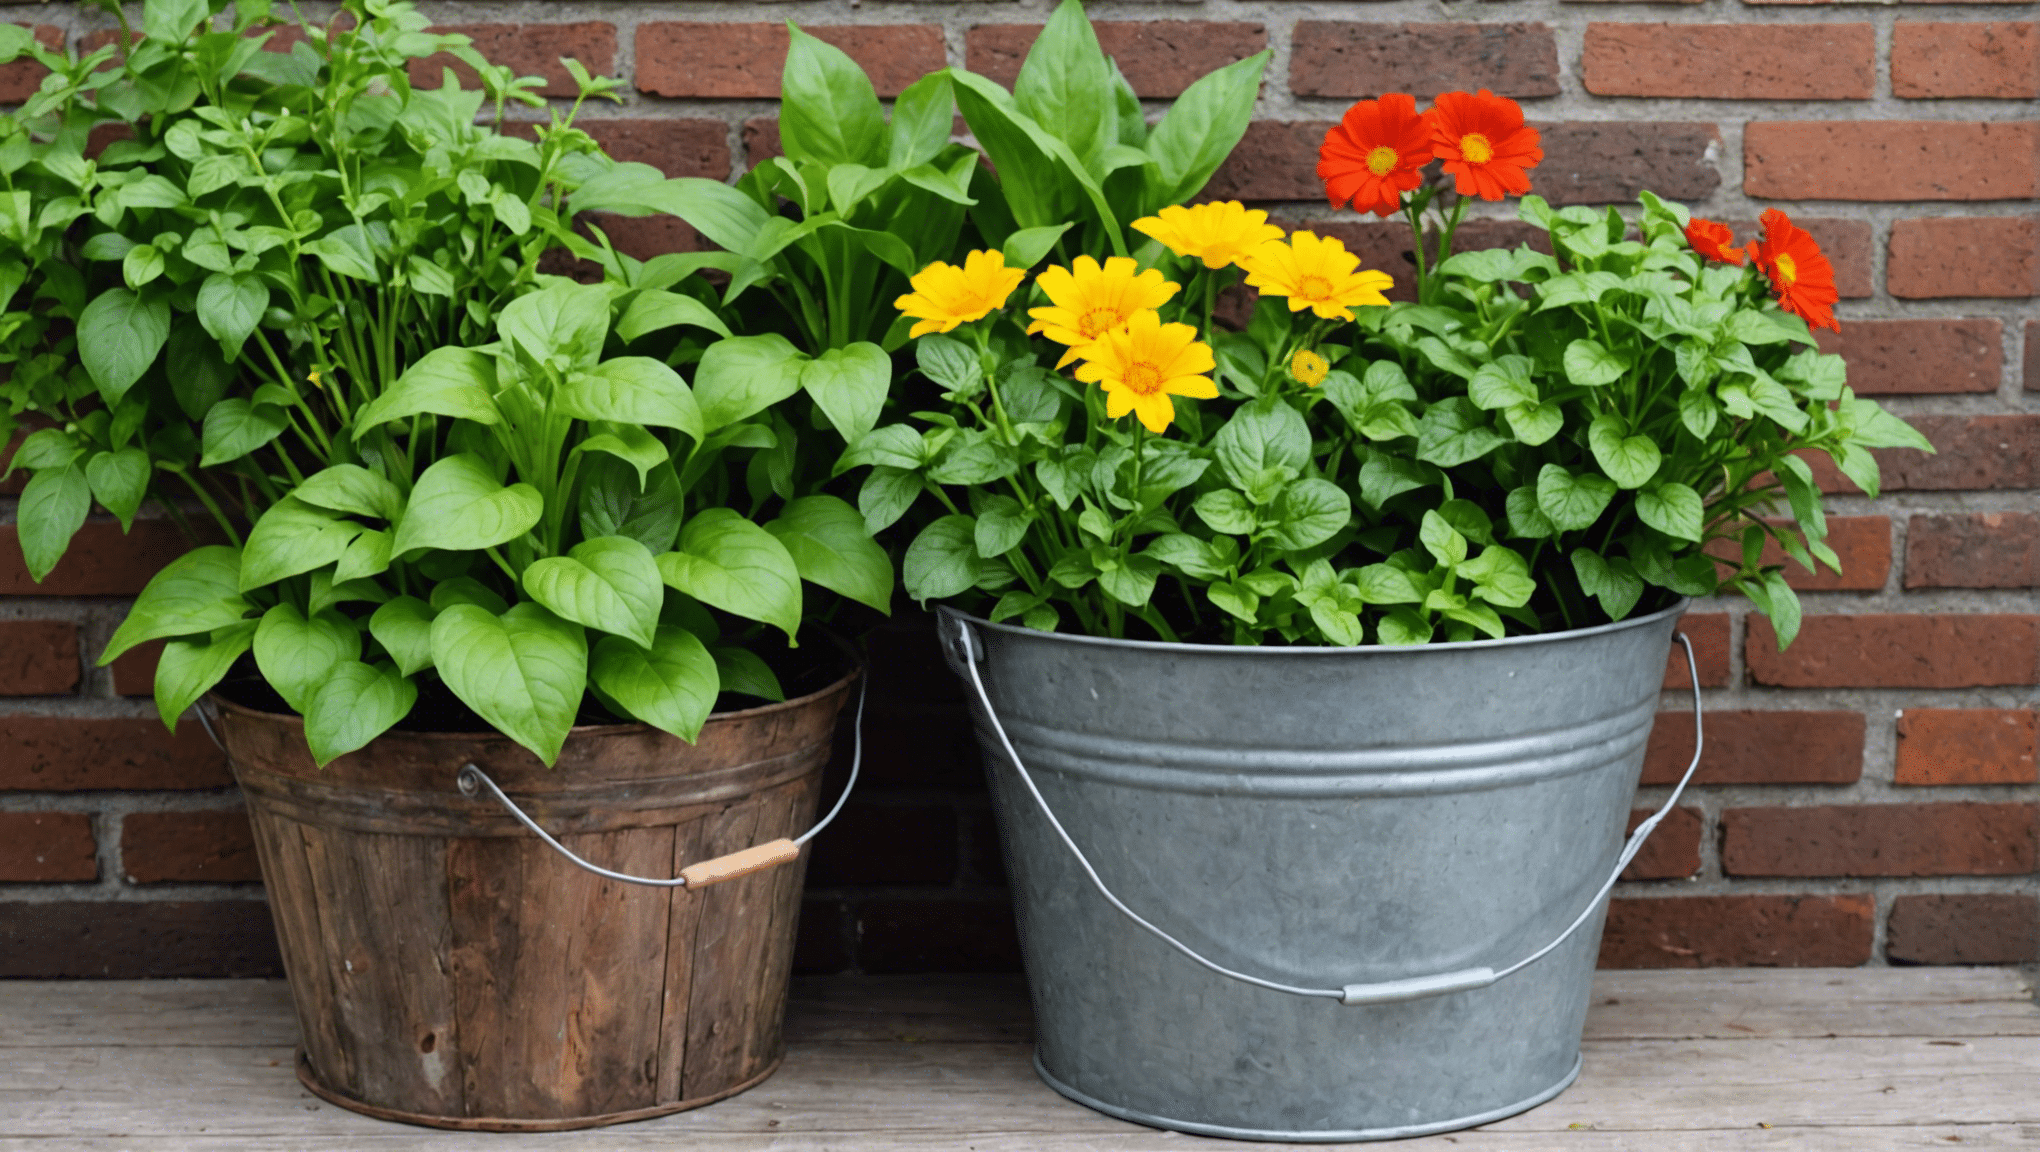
767	855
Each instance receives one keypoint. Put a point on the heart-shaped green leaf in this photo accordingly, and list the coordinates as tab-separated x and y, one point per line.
670	684
355	704
189	668
296	655
197	592
610	583
524	671
726	561
458	505
829	545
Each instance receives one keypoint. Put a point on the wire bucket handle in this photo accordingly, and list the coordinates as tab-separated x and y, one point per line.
970	651
472	782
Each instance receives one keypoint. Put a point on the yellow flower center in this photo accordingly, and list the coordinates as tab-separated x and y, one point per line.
1098	321
1311	286
1477	148
1143	378
1382	160
1309	367
1788	269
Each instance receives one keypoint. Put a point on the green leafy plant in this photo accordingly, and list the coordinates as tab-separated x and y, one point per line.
509	499
271	239
1548	441
304	296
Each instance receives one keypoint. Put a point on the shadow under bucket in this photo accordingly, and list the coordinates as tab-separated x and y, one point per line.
1417	843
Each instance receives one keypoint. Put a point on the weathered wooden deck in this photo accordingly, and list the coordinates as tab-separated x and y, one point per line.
1859	1060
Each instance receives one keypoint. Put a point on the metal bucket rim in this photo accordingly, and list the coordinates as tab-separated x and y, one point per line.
1673	610
842	684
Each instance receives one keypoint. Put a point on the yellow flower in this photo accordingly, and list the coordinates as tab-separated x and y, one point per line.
1315	273
1308	367
313	380
945	295
1217	234
1092	301
1142	363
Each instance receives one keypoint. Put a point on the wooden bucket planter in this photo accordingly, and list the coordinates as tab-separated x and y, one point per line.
449	969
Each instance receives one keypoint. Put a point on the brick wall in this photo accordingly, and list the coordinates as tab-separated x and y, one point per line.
1867	797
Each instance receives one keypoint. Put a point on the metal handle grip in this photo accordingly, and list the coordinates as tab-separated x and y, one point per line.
1384	992
472	780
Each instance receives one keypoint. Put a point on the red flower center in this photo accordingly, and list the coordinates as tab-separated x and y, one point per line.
1788	269
1382	160
1477	148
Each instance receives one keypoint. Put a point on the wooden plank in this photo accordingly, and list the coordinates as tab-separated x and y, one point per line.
934	1007
153	1013
899	1089
383	913
664	1135
1737	1003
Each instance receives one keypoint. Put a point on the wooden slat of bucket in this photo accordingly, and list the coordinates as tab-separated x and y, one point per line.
718	1017
383	912
279	844
683	922
794	807
539	1013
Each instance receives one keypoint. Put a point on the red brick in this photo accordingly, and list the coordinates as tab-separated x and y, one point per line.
1731	61
22	78
1861	543
1880	840
1673	850
1974	453
1739	931
677	147
1965	928
1610	162
1160	58
134	671
192	846
1891	160
1973	550
76	753
38	657
761	140
528	50
2030	368
872	844
1915	357
1899	651
744	61
47	847
100	562
1346	59
1996	61
1965	746
1997	256
131	940
1746	747
1275	160
951	934
1709	633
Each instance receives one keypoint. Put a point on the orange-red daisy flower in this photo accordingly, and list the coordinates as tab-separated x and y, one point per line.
1799	274
1485	146
1711	240
1375	154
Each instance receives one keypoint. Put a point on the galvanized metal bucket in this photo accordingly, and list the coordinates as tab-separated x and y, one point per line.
1312	894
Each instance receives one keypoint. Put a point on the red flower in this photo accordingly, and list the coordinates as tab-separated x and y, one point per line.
1375	154
1711	240
1801	276
1484	144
